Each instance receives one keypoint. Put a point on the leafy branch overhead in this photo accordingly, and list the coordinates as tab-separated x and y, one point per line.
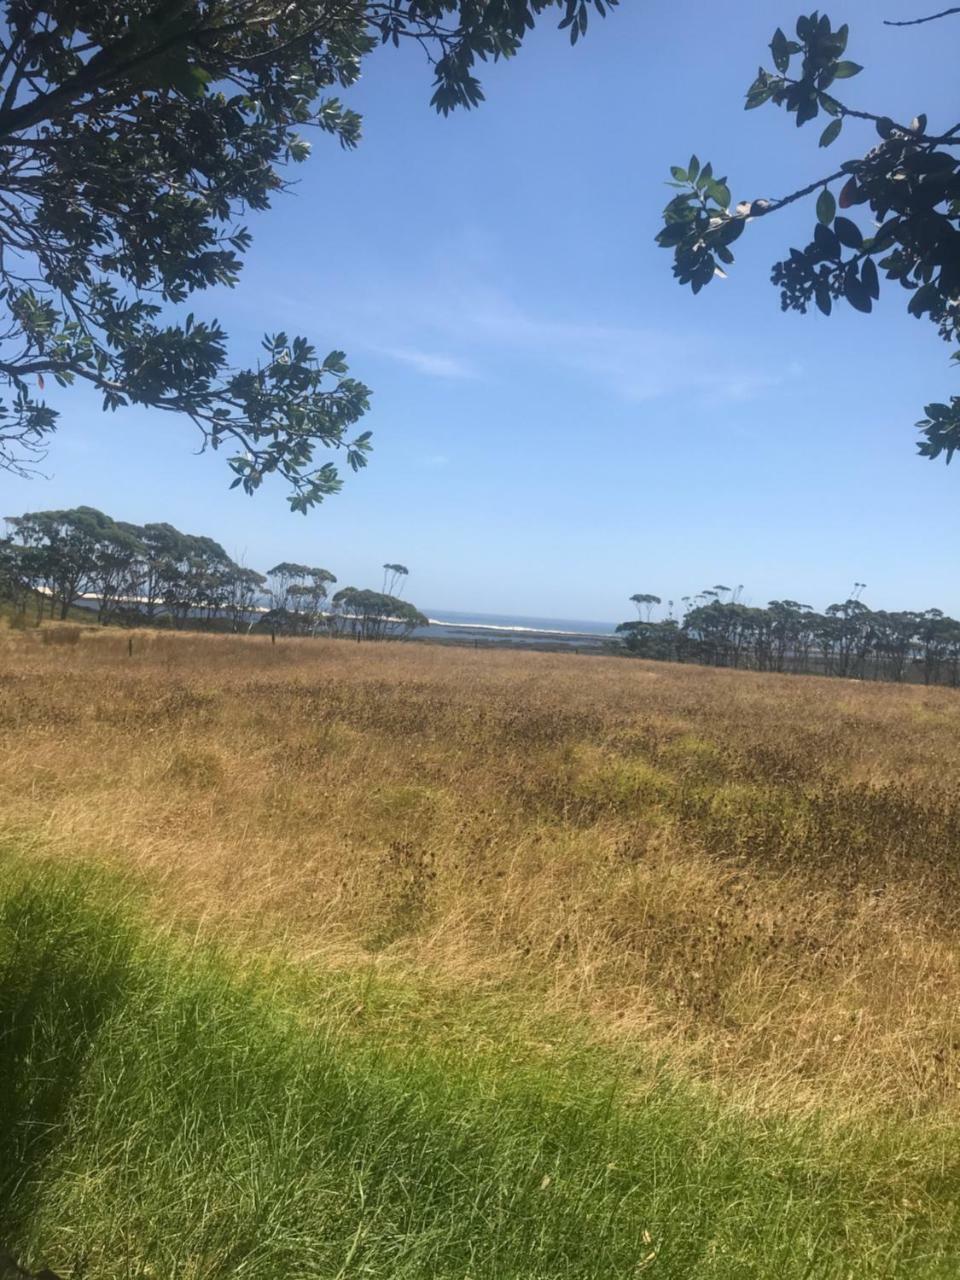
134	137
907	186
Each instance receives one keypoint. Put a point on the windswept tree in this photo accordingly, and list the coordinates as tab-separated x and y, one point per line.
15	583
281	580
158	568
194	576
663	641
373	615
209	579
245	591
644	602
134	136
849	639
309	598
393	575
114	569
791	637
297	593
906	182
62	550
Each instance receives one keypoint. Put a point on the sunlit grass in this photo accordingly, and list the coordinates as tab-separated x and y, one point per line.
753	876
175	1110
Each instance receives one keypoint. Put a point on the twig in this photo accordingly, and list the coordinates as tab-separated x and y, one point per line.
916	22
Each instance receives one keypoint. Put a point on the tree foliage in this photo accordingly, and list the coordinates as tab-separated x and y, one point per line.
644	602
134	136
374	615
154	573
848	639
393	575
297	594
907	185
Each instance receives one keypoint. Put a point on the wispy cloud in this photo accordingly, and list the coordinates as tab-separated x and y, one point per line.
451	319
433	363
471	332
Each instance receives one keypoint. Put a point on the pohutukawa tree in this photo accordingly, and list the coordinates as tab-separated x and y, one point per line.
907	183
134	134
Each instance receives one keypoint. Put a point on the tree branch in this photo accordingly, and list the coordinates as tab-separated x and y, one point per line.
916	22
775	205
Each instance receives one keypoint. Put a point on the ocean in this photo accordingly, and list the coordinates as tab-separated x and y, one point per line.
486	628
446	624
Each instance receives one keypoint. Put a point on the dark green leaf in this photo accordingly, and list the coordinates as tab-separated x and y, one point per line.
731	230
855	292
925	299
848	233
672	235
778	47
826	242
826	206
869	278
851	194
844	70
831	132
807	109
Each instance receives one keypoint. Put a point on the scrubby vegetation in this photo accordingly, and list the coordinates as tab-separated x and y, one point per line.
450	963
848	639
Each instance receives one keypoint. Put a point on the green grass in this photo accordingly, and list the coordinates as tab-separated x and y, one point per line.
168	1112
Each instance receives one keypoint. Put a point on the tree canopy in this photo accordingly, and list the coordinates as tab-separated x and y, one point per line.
374	615
154	573
134	136
908	182
847	639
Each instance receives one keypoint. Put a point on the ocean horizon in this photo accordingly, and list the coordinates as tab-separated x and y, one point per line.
516	624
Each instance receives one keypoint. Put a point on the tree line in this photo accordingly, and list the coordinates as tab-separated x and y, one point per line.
848	639
153	574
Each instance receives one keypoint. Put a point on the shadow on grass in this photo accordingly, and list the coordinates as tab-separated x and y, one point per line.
62	969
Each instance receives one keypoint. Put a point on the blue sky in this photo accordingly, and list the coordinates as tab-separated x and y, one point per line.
557	424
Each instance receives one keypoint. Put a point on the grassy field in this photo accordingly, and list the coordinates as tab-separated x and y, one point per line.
371	961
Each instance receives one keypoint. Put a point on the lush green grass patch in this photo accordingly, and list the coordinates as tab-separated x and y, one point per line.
162	1116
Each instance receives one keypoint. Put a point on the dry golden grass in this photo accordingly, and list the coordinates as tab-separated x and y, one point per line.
758	876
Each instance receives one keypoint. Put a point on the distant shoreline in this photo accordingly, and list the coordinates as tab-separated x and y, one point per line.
488	630
520	625
522	633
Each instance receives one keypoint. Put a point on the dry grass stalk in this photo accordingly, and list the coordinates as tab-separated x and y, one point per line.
757	874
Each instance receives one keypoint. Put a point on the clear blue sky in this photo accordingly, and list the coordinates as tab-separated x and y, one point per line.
557	424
